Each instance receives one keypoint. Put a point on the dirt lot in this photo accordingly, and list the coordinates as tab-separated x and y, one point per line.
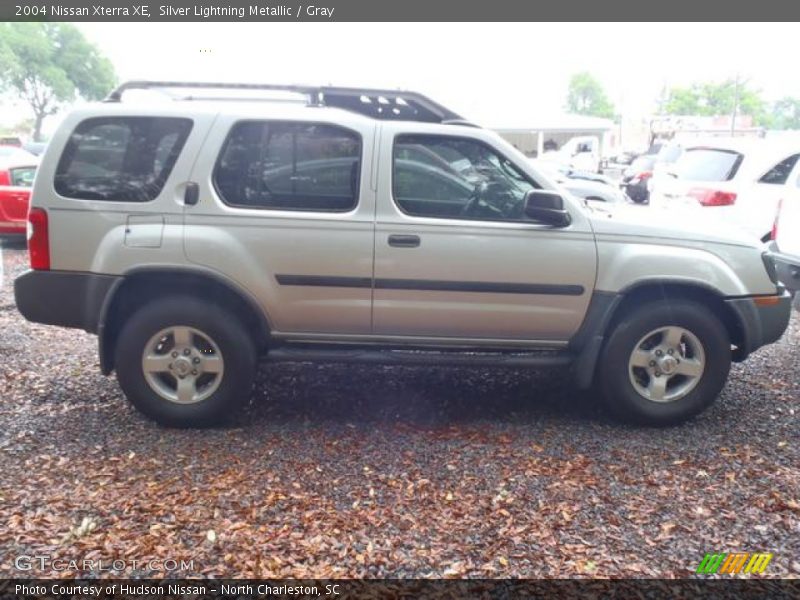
391	472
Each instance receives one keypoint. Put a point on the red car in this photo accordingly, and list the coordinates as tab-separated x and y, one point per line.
17	170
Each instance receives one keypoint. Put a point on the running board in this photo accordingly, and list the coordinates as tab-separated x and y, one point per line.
545	358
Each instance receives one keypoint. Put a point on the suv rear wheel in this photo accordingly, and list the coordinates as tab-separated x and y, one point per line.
184	362
665	362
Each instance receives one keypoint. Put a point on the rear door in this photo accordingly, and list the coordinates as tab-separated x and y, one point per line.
286	211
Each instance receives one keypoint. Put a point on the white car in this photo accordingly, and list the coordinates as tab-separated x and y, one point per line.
738	181
786	240
581	153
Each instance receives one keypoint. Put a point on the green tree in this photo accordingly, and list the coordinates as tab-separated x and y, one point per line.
786	113
715	98
50	64
587	97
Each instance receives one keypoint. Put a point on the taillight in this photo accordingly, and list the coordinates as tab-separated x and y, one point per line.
774	234
707	197
38	239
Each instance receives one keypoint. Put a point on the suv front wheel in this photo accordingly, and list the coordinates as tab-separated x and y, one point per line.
665	362
184	362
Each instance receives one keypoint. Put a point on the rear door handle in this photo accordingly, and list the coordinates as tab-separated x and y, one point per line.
404	241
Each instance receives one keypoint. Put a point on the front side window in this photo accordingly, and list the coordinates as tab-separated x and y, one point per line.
456	178
289	166
120	159
778	174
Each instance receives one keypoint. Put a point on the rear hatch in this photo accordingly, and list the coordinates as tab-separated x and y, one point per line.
702	176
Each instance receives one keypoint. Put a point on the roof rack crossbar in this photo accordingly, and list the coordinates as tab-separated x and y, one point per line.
375	103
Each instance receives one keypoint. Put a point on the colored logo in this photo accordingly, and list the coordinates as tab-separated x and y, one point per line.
735	562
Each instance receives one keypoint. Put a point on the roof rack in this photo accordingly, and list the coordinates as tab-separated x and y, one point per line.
391	105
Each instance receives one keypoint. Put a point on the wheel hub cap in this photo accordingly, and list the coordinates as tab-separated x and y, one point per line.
182	365
666	364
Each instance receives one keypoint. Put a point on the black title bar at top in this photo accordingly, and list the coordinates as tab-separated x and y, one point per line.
396	10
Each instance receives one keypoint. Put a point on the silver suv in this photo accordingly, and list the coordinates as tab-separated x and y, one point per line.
201	233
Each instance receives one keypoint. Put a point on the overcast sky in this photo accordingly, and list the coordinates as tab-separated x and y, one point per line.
492	73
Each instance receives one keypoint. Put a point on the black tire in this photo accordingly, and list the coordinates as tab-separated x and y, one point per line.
621	395
223	327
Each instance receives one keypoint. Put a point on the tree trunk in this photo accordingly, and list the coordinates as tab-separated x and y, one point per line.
37	127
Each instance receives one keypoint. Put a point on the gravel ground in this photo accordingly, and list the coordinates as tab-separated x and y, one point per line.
353	471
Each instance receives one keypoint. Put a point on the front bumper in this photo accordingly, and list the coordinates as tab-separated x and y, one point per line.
788	268
763	320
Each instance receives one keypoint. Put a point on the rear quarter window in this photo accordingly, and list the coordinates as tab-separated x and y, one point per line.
778	174
120	159
708	164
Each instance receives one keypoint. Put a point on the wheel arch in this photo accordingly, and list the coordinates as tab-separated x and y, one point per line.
607	309
146	284
658	289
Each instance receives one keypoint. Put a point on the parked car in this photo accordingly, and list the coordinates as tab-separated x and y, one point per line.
626	157
740	180
11	141
589	186
636	177
668	154
36	148
17	172
197	237
581	153
786	239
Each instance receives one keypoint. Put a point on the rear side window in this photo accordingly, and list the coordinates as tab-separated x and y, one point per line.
120	159
778	174
708	164
289	166
22	176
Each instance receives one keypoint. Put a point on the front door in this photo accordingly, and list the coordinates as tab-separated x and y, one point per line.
455	256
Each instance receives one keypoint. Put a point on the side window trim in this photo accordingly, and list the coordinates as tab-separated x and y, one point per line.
232	127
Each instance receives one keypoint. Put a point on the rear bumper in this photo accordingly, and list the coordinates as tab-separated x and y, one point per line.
13	227
763	320
64	298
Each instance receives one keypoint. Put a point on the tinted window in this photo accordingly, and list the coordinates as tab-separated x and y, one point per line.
444	177
121	159
708	164
780	173
289	166
22	176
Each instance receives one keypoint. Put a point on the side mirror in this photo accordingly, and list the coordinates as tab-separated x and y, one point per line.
547	207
